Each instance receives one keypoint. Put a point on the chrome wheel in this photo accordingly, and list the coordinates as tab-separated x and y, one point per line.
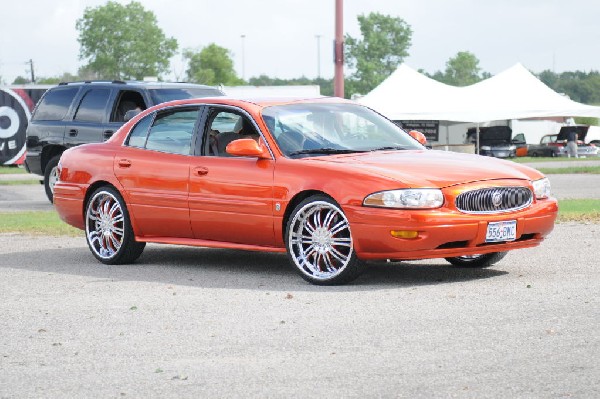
319	241
53	178
105	225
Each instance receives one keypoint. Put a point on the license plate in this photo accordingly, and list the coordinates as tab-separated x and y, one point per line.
501	231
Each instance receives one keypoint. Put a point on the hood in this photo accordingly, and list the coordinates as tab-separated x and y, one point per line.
565	130
491	135
431	168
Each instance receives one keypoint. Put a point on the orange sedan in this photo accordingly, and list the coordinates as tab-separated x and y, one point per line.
330	182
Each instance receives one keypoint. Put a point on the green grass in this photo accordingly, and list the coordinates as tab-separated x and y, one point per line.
579	210
18	182
555	159
36	222
571	170
11	170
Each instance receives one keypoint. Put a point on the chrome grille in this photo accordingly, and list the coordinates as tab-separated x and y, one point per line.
494	200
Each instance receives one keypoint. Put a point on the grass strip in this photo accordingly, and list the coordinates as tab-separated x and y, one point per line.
592	170
552	159
579	210
18	182
36	223
12	170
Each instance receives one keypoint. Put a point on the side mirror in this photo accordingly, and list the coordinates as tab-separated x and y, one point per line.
247	148
420	137
129	115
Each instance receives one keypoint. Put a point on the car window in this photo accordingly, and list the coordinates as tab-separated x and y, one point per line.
224	127
127	100
137	137
55	104
92	106
172	131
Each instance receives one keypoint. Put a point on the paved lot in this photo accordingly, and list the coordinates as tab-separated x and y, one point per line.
192	322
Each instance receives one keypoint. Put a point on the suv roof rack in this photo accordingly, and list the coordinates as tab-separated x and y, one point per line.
93	81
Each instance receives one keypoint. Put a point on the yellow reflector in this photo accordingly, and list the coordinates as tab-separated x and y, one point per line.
404	233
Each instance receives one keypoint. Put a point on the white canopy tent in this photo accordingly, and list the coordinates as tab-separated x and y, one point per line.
512	94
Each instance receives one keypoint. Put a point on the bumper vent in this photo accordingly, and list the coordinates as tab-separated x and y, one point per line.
494	200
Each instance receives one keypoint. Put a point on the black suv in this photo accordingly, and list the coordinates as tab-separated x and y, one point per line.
76	113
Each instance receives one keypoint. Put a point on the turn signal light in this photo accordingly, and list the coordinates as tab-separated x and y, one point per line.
404	233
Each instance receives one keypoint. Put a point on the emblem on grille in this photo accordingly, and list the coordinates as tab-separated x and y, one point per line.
497	199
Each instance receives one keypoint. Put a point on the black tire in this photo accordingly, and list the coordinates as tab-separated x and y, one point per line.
108	230
534	154
50	177
477	261
319	243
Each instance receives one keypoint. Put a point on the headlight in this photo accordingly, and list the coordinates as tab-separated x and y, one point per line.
412	198
541	188
486	148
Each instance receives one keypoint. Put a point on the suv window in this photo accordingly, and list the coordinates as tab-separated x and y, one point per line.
92	106
55	104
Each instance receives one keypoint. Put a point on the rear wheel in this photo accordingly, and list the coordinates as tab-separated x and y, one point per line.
50	177
108	228
319	242
477	261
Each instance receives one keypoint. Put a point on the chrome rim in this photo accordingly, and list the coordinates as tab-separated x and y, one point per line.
469	258
53	178
320	241
105	224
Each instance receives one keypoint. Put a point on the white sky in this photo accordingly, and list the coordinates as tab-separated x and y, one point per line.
281	34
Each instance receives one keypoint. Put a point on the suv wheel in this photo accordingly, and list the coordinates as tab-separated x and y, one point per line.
50	177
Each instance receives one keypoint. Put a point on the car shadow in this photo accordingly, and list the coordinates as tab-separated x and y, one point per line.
219	268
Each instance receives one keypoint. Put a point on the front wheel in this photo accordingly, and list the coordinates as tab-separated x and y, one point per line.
319	242
108	229
477	261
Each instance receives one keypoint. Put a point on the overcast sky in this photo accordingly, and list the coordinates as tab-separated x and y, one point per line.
280	35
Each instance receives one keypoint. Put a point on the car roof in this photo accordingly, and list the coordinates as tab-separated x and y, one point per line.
260	102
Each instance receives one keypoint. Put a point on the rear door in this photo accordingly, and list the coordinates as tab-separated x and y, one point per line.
154	167
90	117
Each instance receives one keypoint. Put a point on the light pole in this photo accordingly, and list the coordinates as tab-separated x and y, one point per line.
318	56
243	58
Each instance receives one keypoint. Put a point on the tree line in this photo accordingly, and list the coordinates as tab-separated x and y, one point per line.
124	42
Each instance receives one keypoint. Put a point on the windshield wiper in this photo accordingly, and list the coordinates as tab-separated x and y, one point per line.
389	148
325	151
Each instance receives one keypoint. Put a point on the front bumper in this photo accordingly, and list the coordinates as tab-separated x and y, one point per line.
443	232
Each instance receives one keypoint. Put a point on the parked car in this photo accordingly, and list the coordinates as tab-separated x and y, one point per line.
554	145
76	113
494	141
330	182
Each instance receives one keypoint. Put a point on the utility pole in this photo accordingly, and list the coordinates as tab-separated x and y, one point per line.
338	80
31	68
318	56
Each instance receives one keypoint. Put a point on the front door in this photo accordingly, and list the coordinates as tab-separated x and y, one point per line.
231	198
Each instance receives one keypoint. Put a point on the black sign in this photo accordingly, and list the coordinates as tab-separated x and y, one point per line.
431	129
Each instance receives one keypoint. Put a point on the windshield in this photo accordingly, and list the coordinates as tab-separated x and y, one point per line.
320	129
168	94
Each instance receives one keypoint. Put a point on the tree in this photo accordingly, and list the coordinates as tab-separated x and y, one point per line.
461	70
123	41
211	66
384	45
20	80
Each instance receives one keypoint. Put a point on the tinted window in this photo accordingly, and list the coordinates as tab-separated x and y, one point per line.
137	137
164	95
172	131
55	104
92	106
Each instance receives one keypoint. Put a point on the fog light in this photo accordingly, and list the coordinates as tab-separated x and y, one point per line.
404	233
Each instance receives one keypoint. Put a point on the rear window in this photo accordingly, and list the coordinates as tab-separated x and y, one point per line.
163	95
55	104
92	106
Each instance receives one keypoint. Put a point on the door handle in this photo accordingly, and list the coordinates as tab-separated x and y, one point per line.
73	132
107	134
200	171
124	163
